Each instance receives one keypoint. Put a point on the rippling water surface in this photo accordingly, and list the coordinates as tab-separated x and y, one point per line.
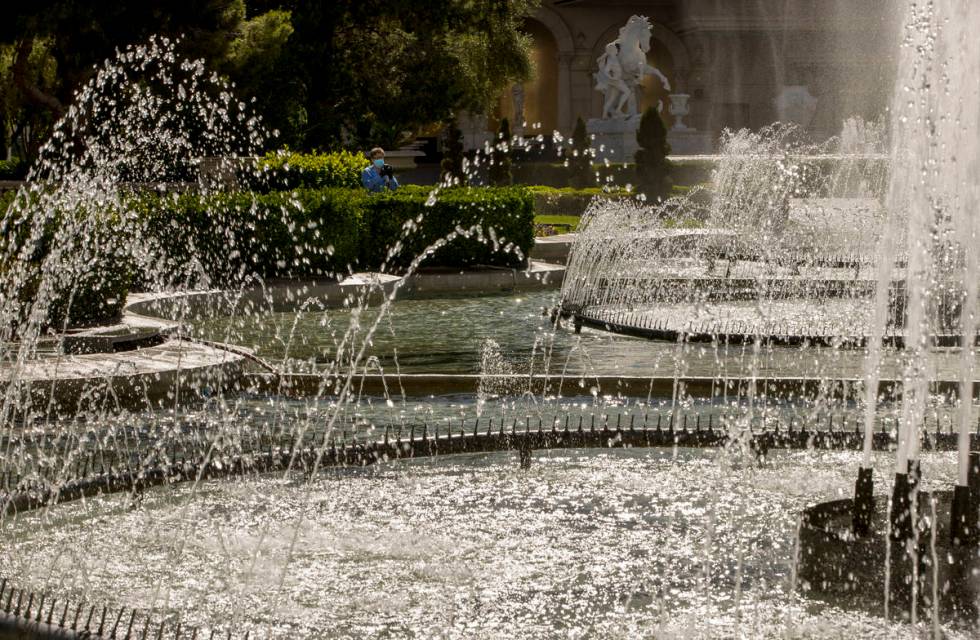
597	543
448	335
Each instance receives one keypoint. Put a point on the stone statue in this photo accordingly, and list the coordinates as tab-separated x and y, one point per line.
517	93
622	67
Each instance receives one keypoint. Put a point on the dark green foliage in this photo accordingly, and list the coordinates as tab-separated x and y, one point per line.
327	232
580	174
303	233
96	298
85	283
500	174
225	239
556	174
452	159
377	68
12	169
504	214
6	197
48	50
372	69
652	166
285	170
568	201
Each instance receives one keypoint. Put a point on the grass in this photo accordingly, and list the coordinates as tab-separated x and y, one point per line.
559	224
570	221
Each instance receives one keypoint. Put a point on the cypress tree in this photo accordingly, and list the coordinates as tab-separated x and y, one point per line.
452	159
652	166
500	175
580	173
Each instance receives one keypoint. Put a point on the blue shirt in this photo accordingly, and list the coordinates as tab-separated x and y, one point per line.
374	182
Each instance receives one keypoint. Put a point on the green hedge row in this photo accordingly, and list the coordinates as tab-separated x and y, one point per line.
686	171
305	233
91	277
550	201
12	169
291	170
313	232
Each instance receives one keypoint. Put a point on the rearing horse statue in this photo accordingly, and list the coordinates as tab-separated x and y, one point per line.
622	67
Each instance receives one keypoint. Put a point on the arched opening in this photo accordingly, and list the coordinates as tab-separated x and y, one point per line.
539	95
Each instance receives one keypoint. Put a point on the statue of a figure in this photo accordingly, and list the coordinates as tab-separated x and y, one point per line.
622	67
517	93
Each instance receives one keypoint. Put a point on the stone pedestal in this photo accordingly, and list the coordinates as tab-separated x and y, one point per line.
403	158
614	138
689	142
475	130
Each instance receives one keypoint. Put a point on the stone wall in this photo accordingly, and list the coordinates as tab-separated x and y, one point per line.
734	57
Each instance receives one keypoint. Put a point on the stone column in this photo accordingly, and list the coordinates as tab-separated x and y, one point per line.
564	92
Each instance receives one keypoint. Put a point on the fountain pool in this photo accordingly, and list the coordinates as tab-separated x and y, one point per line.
617	543
448	336
334	517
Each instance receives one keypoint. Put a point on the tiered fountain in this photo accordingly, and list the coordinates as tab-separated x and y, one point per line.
297	502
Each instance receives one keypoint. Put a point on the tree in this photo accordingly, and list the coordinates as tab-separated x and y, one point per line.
256	62
500	175
652	166
54	46
325	74
20	121
452	159
580	174
372	71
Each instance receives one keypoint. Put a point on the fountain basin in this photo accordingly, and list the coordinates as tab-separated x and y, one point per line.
863	571
591	542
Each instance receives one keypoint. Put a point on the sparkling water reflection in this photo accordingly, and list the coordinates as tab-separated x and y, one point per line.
617	543
447	335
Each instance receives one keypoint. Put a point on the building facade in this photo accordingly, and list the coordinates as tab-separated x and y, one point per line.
743	63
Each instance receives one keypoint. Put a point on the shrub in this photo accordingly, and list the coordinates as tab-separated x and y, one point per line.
652	166
503	215
692	171
6	197
13	169
500	175
452	161
304	233
96	297
580	172
554	174
549	201
290	170
85	282
317	232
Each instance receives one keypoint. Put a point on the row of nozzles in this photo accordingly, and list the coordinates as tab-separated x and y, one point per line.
28	613
25	609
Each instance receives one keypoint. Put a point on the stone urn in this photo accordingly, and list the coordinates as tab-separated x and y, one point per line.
679	108
796	104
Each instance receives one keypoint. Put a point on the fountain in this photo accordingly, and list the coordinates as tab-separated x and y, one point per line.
369	465
931	555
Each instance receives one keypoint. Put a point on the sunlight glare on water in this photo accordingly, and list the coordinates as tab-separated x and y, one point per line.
617	543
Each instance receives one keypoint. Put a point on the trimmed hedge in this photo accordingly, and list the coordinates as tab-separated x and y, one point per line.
12	169
291	170
87	281
549	201
226	237
503	214
280	234
558	174
315	232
